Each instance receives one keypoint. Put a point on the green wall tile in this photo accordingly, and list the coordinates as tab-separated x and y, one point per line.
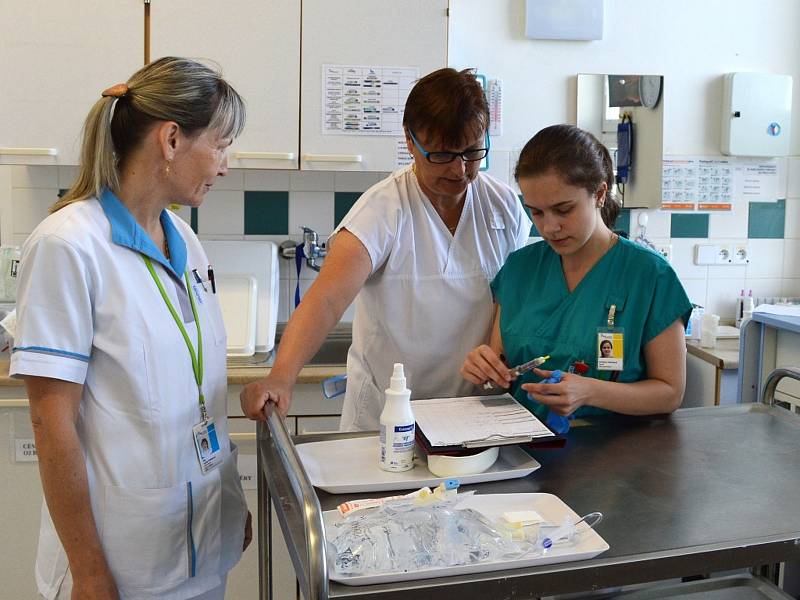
193	219
766	220
266	213
624	221
62	192
689	226
534	231
342	203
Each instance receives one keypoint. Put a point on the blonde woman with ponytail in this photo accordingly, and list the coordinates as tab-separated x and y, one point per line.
122	348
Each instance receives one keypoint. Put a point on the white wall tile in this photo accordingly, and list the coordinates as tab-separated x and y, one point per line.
349	313
34	177
683	259
726	272
285	301
791	259
731	224
66	177
696	289
311	181
791	288
29	207
766	258
233	181
792	222
793	184
266	181
311	209
354	181
222	213
6	209
499	164
722	295
783	175
658	223
763	286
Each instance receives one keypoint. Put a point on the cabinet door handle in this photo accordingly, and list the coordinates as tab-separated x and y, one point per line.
265	155
242	437
338	158
28	152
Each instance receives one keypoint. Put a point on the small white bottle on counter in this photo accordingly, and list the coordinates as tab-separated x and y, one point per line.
397	425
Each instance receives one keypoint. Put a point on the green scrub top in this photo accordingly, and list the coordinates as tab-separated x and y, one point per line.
538	315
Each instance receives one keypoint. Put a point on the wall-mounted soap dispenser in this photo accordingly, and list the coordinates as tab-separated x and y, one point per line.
756	114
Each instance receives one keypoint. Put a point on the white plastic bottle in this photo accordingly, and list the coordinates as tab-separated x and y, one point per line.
397	425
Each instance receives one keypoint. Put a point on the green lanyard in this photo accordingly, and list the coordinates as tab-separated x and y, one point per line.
197	360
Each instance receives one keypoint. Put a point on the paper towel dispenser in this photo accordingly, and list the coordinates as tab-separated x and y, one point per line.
756	114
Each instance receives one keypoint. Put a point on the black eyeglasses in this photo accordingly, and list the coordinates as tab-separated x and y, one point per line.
441	158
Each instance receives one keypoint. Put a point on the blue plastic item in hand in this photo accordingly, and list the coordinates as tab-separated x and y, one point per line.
558	423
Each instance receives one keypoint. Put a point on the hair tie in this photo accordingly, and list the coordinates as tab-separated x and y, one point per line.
116	91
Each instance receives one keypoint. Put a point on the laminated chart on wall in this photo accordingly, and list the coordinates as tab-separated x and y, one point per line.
714	183
365	100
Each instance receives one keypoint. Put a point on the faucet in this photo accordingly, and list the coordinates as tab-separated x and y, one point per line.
312	249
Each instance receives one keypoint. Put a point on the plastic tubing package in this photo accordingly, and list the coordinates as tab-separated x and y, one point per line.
405	535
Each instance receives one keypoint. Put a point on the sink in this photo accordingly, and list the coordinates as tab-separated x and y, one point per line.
333	350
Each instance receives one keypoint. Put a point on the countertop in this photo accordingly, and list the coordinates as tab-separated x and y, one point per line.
725	355
237	375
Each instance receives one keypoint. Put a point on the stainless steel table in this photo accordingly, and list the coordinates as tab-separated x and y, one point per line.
702	490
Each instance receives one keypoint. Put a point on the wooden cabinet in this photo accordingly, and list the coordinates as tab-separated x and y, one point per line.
386	33
55	60
257	47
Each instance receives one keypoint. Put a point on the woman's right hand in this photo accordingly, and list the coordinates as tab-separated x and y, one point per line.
260	397
98	586
483	364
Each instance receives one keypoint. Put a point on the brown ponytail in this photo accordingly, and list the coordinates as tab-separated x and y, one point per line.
578	157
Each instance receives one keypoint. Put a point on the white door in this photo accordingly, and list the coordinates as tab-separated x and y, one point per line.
376	33
55	60
257	47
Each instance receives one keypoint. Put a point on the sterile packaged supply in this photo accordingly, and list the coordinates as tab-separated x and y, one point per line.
9	267
709	330
8	327
446	489
412	534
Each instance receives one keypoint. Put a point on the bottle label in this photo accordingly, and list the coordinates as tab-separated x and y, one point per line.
397	448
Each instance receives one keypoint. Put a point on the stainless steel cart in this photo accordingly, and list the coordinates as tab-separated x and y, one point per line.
695	492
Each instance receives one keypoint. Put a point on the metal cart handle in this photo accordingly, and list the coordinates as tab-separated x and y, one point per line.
768	396
296	506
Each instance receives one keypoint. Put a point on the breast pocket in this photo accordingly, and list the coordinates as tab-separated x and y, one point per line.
147	537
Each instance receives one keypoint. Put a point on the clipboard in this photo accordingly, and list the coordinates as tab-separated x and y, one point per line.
485	421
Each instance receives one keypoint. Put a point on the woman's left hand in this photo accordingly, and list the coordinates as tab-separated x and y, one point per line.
563	398
248	531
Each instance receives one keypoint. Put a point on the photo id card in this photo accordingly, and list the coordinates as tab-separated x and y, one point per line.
207	445
610	349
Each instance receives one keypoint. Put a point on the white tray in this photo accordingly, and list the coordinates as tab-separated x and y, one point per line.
350	465
552	508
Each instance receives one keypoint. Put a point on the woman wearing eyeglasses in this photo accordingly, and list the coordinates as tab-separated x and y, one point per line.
417	252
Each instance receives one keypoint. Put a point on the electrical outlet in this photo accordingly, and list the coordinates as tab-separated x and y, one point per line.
665	250
724	254
741	254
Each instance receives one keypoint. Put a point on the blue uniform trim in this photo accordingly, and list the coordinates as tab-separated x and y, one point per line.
189	536
53	351
125	231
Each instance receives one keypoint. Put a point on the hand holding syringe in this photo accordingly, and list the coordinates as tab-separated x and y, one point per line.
519	370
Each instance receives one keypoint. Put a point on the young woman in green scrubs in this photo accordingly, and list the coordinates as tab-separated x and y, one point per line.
580	288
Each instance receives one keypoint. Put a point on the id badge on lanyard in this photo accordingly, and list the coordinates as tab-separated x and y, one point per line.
610	344
204	433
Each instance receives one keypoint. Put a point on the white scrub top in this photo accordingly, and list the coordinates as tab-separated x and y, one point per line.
89	312
427	302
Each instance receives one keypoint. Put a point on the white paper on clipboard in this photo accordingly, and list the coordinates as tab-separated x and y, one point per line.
490	419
